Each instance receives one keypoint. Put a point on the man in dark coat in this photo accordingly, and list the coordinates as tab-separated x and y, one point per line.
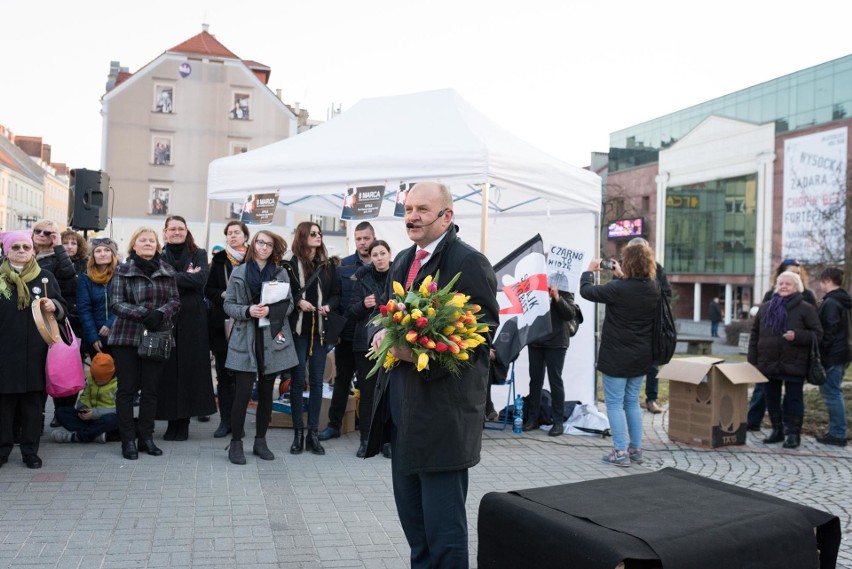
715	316
344	358
432	418
835	314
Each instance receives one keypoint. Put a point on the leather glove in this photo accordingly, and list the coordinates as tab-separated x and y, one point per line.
153	319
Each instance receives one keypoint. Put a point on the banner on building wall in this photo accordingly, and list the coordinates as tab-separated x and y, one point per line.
399	208
814	211
362	203
259	209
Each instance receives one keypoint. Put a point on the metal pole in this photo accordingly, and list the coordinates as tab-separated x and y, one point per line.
483	243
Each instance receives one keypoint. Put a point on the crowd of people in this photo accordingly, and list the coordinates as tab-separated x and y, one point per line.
150	322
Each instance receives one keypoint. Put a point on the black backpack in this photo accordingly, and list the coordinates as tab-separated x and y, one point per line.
664	336
574	323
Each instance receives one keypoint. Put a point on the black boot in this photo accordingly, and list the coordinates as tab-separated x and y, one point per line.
298	441
777	434
128	450
794	438
182	429
362	450
235	452
261	450
223	430
314	442
148	446
171	429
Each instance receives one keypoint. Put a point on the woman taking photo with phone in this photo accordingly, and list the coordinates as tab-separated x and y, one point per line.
257	349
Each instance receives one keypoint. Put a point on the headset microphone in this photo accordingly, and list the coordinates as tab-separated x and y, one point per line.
440	215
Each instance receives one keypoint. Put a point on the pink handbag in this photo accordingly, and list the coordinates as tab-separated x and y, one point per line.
64	368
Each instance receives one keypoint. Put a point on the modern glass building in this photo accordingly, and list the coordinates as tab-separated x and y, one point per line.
803	99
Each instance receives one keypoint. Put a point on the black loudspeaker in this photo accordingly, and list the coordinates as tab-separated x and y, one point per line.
88	199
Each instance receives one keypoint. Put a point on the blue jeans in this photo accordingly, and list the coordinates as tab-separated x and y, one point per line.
714	329
316	368
622	410
757	405
832	396
652	384
87	431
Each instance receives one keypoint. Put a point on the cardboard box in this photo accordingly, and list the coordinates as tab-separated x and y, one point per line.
281	416
708	400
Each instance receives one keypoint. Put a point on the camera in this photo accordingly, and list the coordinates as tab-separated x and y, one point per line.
608	264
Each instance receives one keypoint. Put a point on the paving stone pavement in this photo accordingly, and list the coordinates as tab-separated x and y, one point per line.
89	508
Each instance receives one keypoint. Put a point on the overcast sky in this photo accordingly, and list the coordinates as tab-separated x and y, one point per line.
560	74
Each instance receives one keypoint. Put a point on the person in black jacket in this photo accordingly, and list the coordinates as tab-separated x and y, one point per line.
368	293
345	363
549	352
625	353
835	315
51	256
757	403
223	264
779	346
433	418
316	292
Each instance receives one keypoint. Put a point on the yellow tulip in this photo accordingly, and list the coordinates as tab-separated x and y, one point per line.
456	301
462	356
397	289
430	312
427	281
406	319
416	313
448	330
422	361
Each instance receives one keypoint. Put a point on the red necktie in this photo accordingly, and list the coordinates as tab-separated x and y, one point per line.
415	267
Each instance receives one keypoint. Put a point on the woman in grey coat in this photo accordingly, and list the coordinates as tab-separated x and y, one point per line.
256	350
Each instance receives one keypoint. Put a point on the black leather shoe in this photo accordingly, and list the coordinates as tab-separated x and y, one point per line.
298	441
313	442
204	418
386	450
128	450
827	439
556	430
750	427
236	454
149	447
362	450
32	461
530	426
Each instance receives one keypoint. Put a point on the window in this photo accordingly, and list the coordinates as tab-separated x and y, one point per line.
159	200
164	98
241	105
161	150
238	148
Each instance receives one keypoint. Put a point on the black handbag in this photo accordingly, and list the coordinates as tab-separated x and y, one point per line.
332	326
156	345
816	373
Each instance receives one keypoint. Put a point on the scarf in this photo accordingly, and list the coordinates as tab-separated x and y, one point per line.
776	314
177	255
9	277
235	256
255	277
147	266
102	275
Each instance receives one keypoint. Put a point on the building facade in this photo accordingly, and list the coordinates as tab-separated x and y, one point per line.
726	189
165	123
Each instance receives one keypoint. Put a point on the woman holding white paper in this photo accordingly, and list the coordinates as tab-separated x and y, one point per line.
256	350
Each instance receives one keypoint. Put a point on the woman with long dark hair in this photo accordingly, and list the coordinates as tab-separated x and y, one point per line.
368	293
316	293
257	349
625	353
144	297
186	384
221	269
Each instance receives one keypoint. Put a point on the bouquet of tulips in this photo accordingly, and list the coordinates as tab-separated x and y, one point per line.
436	324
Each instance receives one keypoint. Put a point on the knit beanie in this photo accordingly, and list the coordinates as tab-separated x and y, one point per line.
102	368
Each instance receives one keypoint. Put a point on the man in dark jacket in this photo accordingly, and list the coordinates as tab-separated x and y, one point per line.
344	359
433	418
835	314
715	316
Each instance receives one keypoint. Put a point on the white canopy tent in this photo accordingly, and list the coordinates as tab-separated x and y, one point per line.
434	135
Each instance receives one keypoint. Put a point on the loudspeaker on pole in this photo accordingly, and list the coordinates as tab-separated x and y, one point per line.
88	199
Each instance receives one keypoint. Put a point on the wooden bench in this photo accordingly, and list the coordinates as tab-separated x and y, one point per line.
697	346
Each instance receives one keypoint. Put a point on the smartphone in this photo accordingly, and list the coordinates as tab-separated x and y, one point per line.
608	264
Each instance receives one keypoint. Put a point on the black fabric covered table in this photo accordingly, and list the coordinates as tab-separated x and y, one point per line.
668	518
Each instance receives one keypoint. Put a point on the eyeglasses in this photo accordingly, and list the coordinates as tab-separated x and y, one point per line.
261	243
20	247
102	242
45	232
316	233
